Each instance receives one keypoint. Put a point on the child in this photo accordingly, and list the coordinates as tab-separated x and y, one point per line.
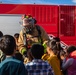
37	66
69	63
52	56
10	66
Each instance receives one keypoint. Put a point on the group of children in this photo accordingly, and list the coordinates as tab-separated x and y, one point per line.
54	62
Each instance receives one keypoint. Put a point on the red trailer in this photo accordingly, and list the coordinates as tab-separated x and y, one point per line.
67	24
57	20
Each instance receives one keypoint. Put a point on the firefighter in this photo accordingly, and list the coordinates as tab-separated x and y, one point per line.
30	34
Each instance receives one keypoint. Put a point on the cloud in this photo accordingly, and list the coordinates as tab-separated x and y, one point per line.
74	1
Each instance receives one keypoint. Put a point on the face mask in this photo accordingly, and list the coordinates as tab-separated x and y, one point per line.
28	21
31	21
29	30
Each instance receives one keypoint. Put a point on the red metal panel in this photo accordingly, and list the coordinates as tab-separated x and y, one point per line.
75	20
46	15
67	28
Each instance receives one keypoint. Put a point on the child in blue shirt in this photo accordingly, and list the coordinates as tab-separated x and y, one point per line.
10	66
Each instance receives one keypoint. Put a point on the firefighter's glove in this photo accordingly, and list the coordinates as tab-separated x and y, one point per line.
45	46
24	52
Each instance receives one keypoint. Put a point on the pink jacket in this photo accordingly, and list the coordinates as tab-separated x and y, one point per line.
72	68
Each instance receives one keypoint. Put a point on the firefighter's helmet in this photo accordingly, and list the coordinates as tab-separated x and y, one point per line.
29	17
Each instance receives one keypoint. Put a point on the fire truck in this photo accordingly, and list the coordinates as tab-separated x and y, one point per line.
57	20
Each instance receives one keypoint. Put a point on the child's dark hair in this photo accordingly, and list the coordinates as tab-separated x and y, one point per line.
51	43
16	35
1	34
37	51
7	44
19	56
71	48
57	39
